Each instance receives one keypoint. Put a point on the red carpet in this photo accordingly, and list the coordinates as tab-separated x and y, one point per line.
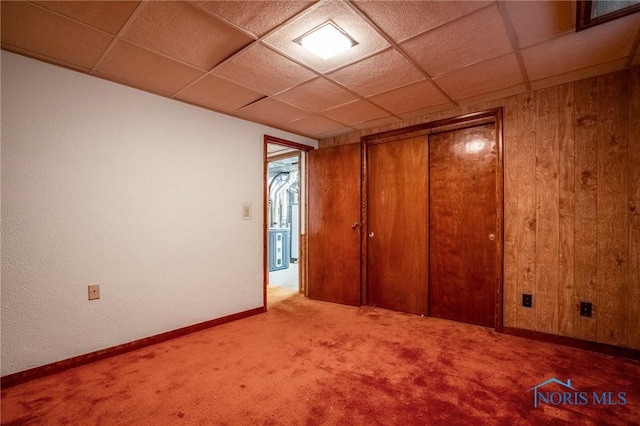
314	363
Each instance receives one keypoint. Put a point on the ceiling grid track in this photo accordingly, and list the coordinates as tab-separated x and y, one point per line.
515	44
397	48
118	36
412	59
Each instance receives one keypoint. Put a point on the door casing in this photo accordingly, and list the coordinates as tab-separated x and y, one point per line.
265	226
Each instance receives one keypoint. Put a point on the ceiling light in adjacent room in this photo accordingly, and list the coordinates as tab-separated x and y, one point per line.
326	41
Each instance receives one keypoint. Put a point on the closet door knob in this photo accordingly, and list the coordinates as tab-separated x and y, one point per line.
370	234
492	237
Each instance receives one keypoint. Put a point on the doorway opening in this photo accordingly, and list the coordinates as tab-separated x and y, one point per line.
284	213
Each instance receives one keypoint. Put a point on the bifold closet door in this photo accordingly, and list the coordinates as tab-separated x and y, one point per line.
464	234
397	225
334	224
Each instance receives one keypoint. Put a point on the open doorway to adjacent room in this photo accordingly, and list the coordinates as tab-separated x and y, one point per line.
285	242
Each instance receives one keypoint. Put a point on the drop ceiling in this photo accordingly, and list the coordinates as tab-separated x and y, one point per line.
240	58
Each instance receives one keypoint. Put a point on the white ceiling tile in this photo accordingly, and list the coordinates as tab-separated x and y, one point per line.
462	45
182	31
379	73
255	17
355	112
486	77
537	21
458	44
315	125
404	19
579	74
263	70
271	111
571	52
316	95
413	97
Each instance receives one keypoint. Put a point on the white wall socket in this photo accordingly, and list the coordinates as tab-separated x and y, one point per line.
94	292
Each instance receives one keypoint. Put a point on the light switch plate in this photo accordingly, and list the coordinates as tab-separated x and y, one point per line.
246	211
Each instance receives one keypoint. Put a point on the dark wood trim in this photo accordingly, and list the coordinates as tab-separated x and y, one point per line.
265	201
284	142
574	343
583	15
499	320
428	219
304	261
57	367
445	125
283	156
265	226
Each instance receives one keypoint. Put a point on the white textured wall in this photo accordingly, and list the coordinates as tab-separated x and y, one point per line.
104	184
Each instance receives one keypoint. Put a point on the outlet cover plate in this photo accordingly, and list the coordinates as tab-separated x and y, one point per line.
527	300
94	292
586	309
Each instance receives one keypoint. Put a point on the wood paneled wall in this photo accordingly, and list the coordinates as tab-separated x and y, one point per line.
571	221
572	206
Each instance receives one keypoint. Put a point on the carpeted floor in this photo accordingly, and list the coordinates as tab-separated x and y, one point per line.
315	363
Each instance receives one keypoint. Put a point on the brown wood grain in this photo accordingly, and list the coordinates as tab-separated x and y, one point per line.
634	208
575	343
586	203
397	223
463	214
334	205
597	155
510	146
499	224
613	219
547	207
566	206
526	220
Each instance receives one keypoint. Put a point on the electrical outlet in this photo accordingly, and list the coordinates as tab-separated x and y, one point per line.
527	300
94	292
585	309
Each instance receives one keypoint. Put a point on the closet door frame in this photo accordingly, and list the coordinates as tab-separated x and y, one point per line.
460	122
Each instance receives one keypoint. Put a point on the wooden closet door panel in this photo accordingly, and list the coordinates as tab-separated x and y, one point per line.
463	224
334	207
397	224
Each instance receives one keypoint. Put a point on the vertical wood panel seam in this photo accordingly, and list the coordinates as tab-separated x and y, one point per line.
575	234
597	242
598	183
629	195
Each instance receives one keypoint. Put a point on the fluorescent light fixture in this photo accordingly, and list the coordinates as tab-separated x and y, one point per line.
326	41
